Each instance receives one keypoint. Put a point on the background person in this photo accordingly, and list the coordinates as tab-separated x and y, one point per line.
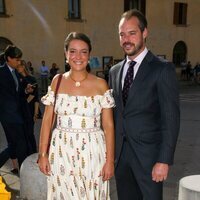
146	115
53	71
44	73
32	106
30	68
12	100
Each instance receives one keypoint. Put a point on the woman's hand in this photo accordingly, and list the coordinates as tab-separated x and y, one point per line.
44	165
29	89
108	171
35	117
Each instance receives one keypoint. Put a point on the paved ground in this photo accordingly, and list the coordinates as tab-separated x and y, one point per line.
187	157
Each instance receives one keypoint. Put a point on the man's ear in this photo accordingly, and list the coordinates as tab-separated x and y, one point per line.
145	33
8	58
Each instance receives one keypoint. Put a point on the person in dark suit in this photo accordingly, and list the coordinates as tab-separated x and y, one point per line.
12	102
147	116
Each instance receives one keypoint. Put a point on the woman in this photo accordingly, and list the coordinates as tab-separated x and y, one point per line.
32	108
80	161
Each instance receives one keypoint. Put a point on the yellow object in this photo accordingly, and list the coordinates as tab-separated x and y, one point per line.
4	194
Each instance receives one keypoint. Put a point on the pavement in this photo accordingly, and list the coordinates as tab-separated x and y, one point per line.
187	156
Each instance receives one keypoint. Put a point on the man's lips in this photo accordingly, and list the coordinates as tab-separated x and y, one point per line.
128	45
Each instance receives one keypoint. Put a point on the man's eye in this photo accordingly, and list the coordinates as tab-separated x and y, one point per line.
133	33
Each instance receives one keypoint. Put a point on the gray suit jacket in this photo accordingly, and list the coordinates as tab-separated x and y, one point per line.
151	118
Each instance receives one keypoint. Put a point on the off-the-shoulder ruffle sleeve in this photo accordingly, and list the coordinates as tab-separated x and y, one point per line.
107	100
48	99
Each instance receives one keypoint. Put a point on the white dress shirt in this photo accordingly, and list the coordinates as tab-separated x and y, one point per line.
138	61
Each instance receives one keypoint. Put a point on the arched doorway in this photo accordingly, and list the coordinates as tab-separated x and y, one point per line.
4	42
179	52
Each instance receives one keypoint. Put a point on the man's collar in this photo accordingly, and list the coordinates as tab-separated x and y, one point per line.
140	57
10	68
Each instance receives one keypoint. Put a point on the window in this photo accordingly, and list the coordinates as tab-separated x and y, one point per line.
137	4
74	9
2	7
180	13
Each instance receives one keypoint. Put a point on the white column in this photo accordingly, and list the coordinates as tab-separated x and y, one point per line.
33	183
189	188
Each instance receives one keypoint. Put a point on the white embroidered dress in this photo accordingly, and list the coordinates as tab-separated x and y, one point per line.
77	150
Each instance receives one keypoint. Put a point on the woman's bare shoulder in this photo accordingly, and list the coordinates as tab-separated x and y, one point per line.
55	80
99	83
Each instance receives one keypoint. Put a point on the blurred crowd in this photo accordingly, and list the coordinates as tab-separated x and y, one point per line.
189	72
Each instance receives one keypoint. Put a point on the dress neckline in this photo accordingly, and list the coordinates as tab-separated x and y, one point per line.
83	96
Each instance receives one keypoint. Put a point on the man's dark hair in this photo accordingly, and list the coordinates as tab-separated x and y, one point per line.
136	13
77	36
2	58
12	52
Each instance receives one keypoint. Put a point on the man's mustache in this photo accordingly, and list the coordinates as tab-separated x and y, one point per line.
128	43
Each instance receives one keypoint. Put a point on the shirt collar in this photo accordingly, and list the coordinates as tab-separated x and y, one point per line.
140	57
10	68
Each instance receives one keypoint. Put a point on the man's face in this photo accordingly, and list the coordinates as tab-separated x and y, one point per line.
132	40
14	62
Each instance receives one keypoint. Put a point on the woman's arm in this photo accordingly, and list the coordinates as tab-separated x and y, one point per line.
45	135
108	127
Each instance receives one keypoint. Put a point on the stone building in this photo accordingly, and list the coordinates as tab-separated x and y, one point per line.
40	27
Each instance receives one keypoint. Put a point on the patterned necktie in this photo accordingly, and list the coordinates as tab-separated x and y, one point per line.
128	81
15	79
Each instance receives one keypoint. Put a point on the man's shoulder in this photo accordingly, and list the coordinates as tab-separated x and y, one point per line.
3	67
158	61
117	66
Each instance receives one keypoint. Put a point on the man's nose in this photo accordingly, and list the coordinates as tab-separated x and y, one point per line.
126	38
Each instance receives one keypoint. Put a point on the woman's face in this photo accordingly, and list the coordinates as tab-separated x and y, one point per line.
78	55
20	68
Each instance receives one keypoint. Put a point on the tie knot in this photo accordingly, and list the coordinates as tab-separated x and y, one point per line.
132	63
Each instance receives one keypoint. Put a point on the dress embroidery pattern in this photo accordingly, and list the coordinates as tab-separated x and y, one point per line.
78	151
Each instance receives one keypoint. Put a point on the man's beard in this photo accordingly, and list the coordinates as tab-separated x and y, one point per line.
134	51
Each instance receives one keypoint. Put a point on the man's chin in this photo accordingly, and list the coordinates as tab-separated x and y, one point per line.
130	53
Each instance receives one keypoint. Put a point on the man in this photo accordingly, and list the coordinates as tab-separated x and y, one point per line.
44	71
12	104
146	115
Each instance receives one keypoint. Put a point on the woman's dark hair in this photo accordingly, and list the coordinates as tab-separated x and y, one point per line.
77	36
136	13
13	52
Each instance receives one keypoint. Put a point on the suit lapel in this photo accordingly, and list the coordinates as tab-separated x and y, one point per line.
10	79
119	83
142	72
